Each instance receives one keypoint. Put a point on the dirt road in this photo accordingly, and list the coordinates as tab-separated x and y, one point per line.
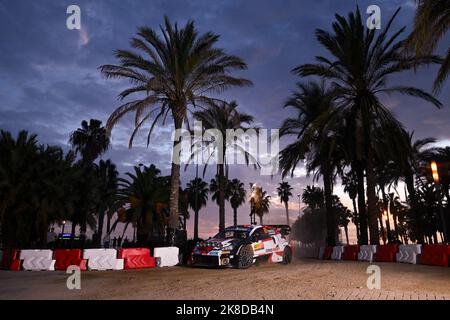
305	279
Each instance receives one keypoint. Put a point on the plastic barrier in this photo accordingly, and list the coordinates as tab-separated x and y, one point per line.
68	257
435	254
407	253
386	253
102	259
36	260
366	252
337	253
136	258
167	255
350	252
10	260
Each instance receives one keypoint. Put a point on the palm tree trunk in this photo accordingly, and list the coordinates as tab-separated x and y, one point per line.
358	235
409	180
196	224
358	167
174	185
261	220
346	234
101	218
330	216
235	216
286	205
371	198
221	174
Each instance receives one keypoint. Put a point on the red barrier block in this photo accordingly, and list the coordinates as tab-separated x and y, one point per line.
136	258
435	254
351	252
10	260
68	257
327	253
386	253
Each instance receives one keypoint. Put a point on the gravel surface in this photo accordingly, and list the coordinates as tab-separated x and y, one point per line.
303	279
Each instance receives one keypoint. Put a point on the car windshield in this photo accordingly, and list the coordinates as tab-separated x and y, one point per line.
232	233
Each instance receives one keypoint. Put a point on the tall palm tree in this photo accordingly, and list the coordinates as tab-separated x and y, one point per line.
431	23
107	177
197	193
223	117
361	63
313	197
349	181
285	192
91	140
315	141
169	75
237	196
259	203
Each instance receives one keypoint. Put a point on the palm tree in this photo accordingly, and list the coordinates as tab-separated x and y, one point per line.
91	140
313	197
285	192
349	181
175	72
431	23
237	196
223	117
362	61
107	177
197	193
145	195
259	203
315	141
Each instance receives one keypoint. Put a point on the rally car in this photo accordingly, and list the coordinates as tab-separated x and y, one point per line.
242	246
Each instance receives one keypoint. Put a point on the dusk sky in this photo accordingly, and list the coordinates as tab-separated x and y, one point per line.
50	82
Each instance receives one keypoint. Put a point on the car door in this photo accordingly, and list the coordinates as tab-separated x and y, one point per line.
262	242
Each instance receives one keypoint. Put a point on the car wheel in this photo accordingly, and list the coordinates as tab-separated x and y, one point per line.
287	255
245	258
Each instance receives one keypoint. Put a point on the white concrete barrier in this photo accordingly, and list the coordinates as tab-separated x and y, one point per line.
102	259
366	252
36	260
337	252
407	253
168	256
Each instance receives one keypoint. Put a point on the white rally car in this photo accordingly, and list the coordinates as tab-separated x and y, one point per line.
242	246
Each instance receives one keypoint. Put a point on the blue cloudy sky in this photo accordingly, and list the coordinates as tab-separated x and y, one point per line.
49	78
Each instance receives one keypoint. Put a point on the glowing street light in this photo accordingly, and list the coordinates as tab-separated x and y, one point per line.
63	225
434	172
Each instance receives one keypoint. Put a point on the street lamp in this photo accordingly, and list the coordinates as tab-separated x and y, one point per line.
63	226
435	174
299	204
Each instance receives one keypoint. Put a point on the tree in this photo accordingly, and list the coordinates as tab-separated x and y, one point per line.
259	203
223	117
170	75
315	141
350	183
145	197
90	141
431	23
285	192
237	197
107	177
361	62
197	193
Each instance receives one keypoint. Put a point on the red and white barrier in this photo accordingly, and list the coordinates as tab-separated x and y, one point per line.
102	259
37	260
435	255
407	253
136	258
69	257
351	252
366	252
337	253
168	256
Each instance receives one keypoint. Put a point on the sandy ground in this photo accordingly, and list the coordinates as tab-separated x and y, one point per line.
303	279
